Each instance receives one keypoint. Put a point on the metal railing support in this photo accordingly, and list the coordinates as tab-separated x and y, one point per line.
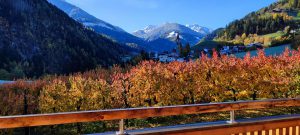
121	128
232	117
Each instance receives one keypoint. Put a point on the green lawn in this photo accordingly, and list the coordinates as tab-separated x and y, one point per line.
274	35
205	44
297	18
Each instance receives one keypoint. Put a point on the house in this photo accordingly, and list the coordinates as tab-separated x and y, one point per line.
206	50
259	45
166	58
126	58
153	55
250	45
277	10
241	48
163	57
235	49
192	52
174	54
256	45
171	57
225	50
180	60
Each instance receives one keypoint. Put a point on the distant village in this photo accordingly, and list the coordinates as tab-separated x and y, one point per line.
177	54
224	50
171	56
228	50
180	54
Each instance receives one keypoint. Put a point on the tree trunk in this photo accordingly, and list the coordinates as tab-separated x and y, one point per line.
254	96
234	95
192	98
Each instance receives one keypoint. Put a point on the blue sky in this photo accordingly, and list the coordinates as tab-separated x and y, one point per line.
132	15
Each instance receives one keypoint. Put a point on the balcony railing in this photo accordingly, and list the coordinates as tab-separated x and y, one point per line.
282	126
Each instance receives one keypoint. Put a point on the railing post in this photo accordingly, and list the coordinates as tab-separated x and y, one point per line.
121	128
232	117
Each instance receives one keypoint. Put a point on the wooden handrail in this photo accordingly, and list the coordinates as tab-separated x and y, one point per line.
117	114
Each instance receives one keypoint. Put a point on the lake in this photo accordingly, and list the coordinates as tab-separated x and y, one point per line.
272	51
5	82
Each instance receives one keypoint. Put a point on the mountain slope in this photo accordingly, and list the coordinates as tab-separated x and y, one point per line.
170	30
208	41
37	38
82	16
100	26
271	19
271	25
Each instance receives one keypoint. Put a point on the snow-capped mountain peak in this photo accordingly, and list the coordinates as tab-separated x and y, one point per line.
82	16
199	29
149	28
173	35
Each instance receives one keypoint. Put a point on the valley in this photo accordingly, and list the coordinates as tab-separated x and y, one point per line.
62	59
152	38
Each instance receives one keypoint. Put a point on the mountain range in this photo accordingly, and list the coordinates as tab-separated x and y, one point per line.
188	34
152	38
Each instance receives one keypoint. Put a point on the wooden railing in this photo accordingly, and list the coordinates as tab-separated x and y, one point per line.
7	122
271	127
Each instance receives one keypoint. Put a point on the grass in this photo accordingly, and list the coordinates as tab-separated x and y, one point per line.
296	18
274	35
209	44
205	44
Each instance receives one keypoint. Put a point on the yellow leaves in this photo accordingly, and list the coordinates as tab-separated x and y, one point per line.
244	36
156	84
77	93
267	41
244	94
275	16
284	16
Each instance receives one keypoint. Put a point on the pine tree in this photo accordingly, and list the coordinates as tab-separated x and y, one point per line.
180	49
187	50
179	45
294	3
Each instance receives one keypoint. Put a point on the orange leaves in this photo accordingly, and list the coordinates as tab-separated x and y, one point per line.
152	83
20	97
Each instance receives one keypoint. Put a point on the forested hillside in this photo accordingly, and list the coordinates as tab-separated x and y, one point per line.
37	38
277	19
